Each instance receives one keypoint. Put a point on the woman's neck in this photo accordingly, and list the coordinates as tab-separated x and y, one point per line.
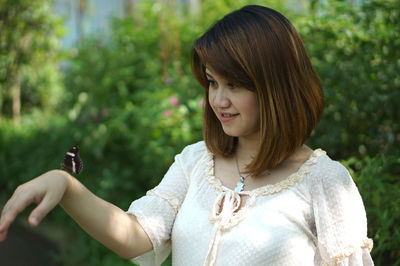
247	149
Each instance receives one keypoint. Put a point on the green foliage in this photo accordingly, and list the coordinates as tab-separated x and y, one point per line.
130	103
356	52
29	54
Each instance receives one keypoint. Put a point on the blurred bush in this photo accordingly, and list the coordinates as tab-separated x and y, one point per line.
29	54
130	103
355	51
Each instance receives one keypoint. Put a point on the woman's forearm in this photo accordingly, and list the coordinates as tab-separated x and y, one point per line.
104	221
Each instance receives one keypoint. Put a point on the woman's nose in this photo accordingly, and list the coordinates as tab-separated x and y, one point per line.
221	98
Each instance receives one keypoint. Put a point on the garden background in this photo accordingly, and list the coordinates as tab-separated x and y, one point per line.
127	97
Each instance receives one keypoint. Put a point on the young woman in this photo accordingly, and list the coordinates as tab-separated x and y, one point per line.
251	193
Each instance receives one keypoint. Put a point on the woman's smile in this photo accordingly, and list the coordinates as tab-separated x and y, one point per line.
227	117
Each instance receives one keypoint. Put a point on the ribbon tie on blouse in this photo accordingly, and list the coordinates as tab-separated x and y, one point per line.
223	214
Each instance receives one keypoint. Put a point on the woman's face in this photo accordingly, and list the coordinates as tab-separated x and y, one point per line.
236	107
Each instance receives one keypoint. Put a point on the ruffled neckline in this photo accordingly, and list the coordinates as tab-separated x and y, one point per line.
289	181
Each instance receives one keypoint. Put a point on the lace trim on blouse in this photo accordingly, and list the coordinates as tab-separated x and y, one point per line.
172	201
290	181
349	250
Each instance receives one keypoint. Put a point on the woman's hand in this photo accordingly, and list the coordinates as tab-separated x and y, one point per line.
117	230
46	191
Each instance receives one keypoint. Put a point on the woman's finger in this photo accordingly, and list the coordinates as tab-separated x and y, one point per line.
16	204
43	208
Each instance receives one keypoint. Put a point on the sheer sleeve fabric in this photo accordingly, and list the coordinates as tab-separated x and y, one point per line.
156	211
340	218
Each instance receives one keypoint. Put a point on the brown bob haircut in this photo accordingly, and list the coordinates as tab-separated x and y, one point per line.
258	48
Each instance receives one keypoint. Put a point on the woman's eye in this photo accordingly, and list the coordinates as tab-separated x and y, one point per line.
232	86
212	83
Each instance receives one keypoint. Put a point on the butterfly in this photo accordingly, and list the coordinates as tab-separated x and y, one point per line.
72	162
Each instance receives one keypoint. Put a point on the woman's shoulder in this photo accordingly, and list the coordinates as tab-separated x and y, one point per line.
197	148
194	157
327	172
194	153
326	179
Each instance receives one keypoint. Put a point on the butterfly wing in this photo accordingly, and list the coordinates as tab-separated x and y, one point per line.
67	163
78	164
72	162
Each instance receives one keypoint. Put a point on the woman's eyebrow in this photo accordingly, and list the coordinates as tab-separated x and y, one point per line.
209	75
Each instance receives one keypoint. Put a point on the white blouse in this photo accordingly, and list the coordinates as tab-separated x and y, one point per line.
313	217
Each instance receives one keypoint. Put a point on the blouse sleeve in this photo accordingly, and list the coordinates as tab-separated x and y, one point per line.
156	211
340	218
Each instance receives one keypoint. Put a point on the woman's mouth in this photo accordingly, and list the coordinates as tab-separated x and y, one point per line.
226	117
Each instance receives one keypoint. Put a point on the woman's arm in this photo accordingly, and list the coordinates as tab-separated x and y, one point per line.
104	221
340	218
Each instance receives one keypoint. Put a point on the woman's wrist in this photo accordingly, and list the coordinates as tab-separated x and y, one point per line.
65	178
